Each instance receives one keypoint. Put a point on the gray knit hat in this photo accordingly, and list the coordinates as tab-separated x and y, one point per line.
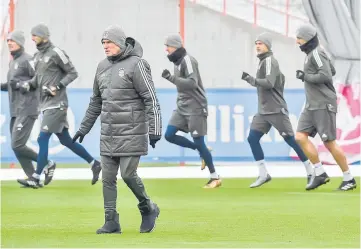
41	30
116	35
306	32
266	39
18	37
174	40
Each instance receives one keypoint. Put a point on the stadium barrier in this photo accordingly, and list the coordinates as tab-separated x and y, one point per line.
230	114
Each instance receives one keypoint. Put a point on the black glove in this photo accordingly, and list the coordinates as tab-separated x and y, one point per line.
14	85
59	86
79	135
300	75
153	139
23	86
251	80
244	75
47	91
166	74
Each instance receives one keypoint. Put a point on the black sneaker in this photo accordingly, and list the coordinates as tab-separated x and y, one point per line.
148	220
30	182
348	185
317	181
111	224
49	172
96	168
39	186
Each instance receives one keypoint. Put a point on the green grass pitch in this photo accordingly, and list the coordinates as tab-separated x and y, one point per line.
279	214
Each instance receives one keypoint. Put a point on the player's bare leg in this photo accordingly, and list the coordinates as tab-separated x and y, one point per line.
337	153
308	147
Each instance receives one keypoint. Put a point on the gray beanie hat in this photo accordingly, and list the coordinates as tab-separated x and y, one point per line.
306	32
116	35
41	30
174	40
18	37
266	39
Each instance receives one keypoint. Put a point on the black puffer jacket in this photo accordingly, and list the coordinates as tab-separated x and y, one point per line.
125	97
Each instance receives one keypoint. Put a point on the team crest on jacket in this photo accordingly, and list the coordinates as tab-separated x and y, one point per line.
46	59
16	66
121	72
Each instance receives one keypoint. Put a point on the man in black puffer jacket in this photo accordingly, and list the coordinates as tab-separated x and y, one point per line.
125	98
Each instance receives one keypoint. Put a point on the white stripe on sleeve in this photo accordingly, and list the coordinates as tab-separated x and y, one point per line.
188	64
61	55
146	79
268	65
317	58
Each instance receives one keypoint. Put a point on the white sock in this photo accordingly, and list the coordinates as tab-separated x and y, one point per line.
347	176
319	170
92	163
308	166
36	176
214	175
262	168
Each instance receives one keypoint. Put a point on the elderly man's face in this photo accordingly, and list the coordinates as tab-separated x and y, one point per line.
13	46
261	48
110	48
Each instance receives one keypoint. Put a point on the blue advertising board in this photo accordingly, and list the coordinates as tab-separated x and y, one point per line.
230	113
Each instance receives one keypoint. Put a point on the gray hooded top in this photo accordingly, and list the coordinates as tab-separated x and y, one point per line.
124	96
21	68
318	69
270	81
52	67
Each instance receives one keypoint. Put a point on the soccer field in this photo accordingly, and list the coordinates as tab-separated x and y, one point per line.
280	214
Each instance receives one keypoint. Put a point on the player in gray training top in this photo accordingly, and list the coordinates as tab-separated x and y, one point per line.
53	73
272	108
192	108
319	114
24	105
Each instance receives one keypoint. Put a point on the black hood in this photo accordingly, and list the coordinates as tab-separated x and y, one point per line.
133	49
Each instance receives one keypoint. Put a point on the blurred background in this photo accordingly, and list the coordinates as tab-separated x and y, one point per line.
220	34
